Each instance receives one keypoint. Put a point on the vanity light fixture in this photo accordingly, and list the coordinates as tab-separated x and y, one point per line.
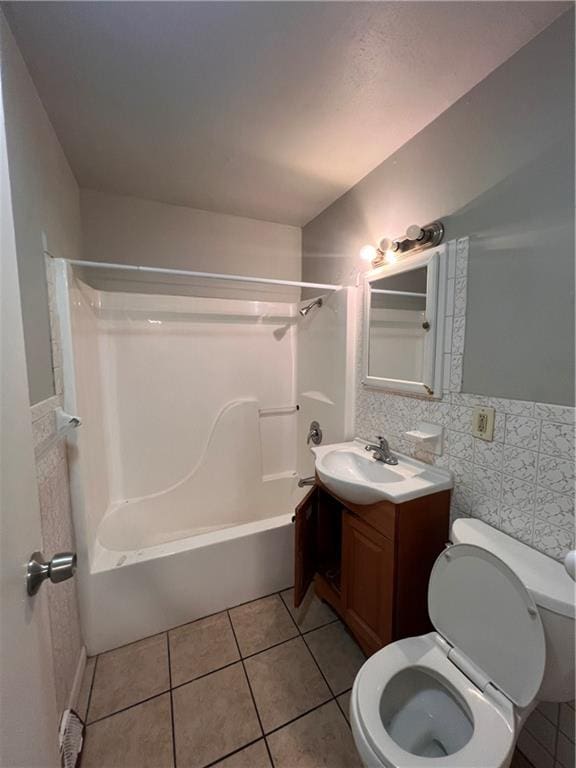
417	238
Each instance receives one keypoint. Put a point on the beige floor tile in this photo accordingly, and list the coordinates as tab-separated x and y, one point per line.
254	756
344	701
140	737
201	647
128	675
311	613
321	739
286	683
338	655
262	623
213	716
86	687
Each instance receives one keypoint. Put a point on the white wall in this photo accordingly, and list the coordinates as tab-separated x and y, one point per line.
45	199
128	230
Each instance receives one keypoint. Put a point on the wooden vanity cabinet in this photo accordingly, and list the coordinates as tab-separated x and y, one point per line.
371	563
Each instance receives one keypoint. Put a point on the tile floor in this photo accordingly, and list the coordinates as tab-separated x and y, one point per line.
259	686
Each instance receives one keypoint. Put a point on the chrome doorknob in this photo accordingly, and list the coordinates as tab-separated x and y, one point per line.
60	568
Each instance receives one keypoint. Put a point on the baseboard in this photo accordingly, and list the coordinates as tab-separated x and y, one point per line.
77	683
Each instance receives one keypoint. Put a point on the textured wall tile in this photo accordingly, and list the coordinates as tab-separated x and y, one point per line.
465	398
556	474
517	523
520	463
439	413
460	296
456	373
462	257
488	454
463	471
499	427
523	432
557	439
461	418
513	407
459	444
551	540
555	508
486	509
487	482
518	493
458	334
564	413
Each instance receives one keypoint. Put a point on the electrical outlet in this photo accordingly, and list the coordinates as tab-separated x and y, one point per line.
483	422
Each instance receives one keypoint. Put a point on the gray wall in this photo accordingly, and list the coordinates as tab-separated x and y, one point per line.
497	166
45	199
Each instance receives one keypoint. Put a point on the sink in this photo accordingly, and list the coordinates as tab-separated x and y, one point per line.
351	473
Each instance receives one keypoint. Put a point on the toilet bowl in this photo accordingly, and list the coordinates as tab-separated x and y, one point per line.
457	697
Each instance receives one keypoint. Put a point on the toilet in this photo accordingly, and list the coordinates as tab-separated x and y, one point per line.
504	640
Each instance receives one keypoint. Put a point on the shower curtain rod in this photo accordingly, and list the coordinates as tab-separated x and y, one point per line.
210	275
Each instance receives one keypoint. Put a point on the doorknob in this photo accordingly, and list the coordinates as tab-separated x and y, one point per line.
60	568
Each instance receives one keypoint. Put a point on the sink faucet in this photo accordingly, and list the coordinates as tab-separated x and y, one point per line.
381	452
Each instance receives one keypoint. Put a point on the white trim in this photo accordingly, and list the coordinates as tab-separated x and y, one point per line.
202	275
435	262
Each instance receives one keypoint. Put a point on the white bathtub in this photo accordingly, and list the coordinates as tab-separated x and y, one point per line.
128	594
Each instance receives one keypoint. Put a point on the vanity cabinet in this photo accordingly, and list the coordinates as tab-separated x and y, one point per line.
370	563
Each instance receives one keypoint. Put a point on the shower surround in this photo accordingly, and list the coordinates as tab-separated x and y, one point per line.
183	471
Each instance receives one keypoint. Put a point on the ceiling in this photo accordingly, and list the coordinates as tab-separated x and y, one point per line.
264	109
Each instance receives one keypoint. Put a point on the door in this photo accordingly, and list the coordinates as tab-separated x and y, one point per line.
305	520
367	583
28	716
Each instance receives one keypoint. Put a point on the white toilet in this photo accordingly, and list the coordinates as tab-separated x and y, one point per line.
504	640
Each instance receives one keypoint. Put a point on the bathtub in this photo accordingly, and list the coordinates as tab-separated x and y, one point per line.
128	594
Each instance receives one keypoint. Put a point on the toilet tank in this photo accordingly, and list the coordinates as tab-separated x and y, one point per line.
552	590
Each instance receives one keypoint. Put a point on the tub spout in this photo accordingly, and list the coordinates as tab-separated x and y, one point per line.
306	481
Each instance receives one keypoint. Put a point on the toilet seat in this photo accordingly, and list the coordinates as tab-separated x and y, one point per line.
493	735
453	692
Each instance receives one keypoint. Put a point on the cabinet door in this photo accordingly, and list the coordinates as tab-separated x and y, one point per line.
368	583
305	535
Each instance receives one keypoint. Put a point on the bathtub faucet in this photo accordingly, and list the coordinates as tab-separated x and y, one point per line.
306	481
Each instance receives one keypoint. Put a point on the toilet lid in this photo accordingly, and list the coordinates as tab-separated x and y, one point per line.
481	607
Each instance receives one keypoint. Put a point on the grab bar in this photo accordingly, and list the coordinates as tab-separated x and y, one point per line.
280	409
65	424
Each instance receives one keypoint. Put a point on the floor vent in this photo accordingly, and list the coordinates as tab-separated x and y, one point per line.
71	738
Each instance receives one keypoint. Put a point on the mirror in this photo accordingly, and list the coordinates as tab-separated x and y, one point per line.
403	327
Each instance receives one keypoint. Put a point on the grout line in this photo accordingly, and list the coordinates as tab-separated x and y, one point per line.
171	700
331	699
235	752
250	689
252	655
319	668
205	674
130	706
91	691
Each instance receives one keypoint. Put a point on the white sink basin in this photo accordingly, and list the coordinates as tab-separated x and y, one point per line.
350	472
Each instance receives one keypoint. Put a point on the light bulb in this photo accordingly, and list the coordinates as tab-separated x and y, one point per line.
390	257
368	252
